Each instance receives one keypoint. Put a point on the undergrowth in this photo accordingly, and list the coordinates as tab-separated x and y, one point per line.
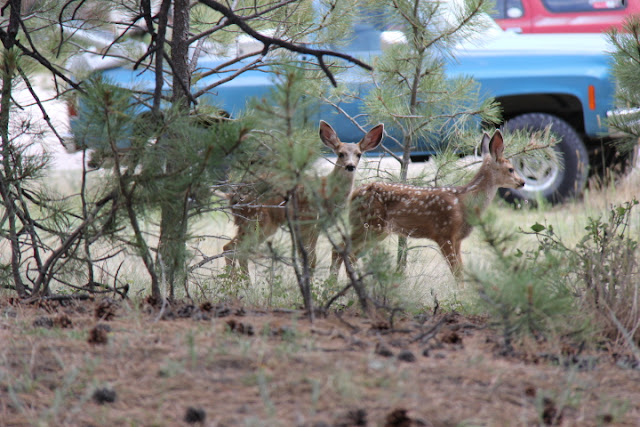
586	292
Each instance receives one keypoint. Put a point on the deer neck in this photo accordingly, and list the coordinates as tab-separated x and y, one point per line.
481	190
340	182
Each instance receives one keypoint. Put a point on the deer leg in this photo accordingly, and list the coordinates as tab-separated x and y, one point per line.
337	253
241	258
448	249
243	262
248	232
357	244
363	236
230	258
458	255
336	262
309	236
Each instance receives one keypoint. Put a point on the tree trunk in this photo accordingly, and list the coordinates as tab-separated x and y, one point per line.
6	175
403	244
180	52
174	211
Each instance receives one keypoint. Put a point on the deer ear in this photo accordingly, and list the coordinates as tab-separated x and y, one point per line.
372	139
496	145
484	144
329	136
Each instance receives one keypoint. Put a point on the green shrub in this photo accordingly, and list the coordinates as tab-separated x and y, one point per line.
524	293
562	290
605	266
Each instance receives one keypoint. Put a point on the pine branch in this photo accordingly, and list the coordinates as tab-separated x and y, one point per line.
268	42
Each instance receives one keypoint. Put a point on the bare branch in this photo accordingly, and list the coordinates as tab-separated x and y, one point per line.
45	115
319	54
41	59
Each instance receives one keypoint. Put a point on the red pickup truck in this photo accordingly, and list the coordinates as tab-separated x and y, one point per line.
563	16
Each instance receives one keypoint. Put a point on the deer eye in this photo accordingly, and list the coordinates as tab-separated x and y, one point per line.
341	155
359	155
511	170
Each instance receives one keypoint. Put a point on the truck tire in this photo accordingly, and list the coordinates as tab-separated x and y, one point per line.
554	180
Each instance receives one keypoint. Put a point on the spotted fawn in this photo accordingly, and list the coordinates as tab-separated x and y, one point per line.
442	214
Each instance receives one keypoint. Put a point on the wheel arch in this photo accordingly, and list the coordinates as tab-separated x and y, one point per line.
551	185
565	106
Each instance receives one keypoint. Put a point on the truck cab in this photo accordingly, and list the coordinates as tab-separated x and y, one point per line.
561	16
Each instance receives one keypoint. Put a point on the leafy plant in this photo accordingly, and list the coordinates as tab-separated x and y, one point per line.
562	289
525	293
604	265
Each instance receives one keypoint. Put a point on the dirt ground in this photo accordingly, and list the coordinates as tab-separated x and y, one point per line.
111	363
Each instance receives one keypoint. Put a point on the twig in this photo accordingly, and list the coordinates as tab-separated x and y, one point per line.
78	297
431	332
628	336
354	329
36	98
271	41
336	296
207	259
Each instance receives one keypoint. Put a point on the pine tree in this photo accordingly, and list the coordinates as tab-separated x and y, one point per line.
43	232
175	135
626	69
411	91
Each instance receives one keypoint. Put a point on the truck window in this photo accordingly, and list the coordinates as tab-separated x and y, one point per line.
560	6
508	9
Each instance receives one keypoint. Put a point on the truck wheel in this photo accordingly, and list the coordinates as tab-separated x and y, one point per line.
563	175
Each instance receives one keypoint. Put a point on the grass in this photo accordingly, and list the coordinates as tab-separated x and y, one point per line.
427	275
290	372
427	282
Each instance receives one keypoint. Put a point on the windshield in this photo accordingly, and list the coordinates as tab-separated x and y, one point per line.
515	9
583	5
374	26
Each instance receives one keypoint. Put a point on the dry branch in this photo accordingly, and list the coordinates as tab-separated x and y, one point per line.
319	54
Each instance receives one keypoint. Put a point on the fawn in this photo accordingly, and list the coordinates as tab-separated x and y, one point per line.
261	217
441	214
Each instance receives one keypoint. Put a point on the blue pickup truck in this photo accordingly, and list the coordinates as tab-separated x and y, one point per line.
557	80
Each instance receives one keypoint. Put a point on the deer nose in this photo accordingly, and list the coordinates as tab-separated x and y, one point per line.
350	168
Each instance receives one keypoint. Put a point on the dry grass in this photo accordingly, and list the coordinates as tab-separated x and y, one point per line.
292	373
427	274
288	372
